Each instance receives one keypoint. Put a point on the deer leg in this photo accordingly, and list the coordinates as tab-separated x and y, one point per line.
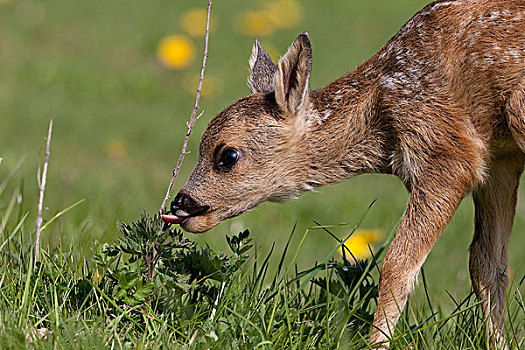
428	212
515	108
495	203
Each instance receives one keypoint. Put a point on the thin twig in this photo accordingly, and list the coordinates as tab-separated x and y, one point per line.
194	116
42	186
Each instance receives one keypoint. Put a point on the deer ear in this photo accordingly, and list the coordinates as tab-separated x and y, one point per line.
262	70
293	75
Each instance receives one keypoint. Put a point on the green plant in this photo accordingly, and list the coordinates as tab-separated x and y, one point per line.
155	269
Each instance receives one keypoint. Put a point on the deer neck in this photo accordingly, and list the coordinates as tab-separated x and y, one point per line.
348	135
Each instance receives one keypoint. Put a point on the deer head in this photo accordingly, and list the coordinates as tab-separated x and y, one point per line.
250	152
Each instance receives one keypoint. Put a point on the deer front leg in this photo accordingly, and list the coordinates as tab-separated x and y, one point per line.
428	212
495	202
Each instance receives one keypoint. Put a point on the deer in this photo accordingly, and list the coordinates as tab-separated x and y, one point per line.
441	106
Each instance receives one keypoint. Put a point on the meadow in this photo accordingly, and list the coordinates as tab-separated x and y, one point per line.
118	79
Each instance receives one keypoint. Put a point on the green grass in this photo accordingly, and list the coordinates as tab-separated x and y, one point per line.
92	68
153	288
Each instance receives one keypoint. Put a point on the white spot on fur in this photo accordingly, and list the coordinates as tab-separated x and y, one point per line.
463	26
494	14
424	13
401	81
388	81
387	52
474	57
448	3
314	117
512	53
489	59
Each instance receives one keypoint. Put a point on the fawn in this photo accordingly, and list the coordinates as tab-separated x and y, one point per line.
441	106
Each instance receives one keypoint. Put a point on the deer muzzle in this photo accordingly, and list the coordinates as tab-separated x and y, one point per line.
184	207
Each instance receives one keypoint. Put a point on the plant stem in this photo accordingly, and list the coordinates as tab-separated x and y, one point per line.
42	186
194	116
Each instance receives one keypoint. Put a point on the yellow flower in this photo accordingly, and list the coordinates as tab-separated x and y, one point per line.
359	242
284	13
194	22
254	23
116	150
275	14
176	52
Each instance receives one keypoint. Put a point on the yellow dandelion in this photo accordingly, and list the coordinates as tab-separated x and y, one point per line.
284	13
176	52
116	150
211	85
359	242
254	23
194	22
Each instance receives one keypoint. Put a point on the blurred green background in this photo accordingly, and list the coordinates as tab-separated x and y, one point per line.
118	78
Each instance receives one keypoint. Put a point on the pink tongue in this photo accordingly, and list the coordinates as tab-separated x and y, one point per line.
172	219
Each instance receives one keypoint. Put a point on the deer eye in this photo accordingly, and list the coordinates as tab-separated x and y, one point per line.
227	159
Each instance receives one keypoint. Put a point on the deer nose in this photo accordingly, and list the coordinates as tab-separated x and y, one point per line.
177	202
181	202
185	206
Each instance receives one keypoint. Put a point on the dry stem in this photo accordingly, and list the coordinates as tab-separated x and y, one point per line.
42	186
194	116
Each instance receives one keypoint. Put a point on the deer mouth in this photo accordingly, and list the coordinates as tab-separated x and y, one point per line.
180	216
173	219
183	207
